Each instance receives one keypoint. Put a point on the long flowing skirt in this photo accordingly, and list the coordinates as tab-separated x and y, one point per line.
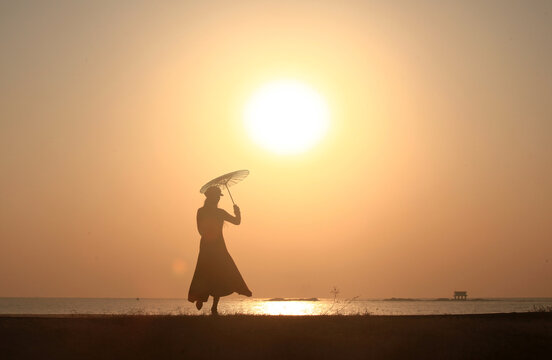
215	274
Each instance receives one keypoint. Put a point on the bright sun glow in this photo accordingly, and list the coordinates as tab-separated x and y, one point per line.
287	117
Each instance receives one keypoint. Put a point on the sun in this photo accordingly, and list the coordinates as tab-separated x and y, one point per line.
287	117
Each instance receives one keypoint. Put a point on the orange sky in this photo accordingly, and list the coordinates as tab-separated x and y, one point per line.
434	176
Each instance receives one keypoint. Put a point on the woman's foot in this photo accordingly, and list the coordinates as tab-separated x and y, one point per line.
214	310
199	304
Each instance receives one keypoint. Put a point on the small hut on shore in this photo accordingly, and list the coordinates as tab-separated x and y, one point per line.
460	295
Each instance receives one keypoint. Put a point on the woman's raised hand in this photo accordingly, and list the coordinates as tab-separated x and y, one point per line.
236	209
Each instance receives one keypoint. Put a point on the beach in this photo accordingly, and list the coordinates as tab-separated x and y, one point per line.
492	336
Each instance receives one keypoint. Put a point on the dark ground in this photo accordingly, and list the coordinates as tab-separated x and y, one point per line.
495	336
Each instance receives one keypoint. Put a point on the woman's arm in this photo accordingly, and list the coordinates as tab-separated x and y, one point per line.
236	220
199	222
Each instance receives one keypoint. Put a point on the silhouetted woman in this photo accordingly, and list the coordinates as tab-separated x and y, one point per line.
215	274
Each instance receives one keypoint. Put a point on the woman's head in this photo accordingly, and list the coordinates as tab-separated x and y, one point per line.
213	195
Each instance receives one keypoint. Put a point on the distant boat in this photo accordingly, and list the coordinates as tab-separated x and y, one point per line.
301	299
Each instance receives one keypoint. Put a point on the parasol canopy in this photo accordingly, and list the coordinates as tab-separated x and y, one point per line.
225	181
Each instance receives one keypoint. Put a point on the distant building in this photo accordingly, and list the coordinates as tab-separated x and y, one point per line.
460	295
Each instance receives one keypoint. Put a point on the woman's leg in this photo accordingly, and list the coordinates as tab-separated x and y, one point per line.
214	309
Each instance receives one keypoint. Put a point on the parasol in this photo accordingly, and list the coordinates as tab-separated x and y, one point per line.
226	180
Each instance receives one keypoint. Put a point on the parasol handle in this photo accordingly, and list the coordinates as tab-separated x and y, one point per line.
229	193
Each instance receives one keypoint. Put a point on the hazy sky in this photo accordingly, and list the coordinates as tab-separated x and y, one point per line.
435	174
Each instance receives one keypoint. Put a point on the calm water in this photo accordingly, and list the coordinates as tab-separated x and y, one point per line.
263	306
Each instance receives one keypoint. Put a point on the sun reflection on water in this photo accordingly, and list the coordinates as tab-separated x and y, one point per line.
284	308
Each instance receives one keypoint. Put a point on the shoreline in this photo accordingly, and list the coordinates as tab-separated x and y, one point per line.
255	306
89	336
222	315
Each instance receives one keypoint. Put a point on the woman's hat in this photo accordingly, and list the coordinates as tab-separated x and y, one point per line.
213	191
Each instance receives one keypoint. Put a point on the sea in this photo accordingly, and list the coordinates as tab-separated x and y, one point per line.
279	306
